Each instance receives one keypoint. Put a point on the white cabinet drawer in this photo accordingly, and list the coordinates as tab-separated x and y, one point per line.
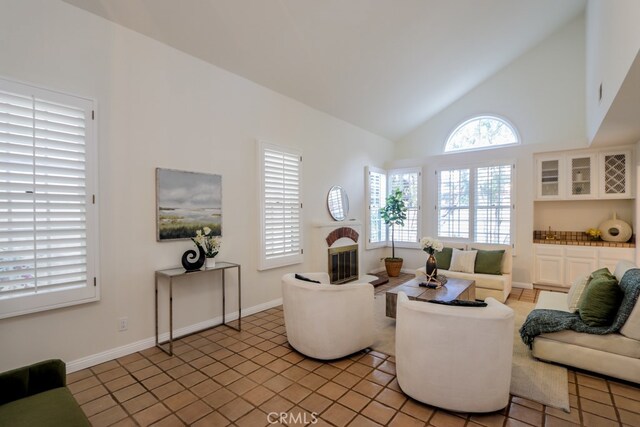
580	252
617	253
549	250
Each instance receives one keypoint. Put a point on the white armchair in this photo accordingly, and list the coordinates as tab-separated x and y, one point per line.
326	321
455	358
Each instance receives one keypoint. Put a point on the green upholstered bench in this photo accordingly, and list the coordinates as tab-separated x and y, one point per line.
37	396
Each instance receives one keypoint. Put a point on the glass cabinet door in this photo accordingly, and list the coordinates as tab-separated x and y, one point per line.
549	178
581	176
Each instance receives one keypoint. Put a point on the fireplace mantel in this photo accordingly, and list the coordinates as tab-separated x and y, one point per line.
338	224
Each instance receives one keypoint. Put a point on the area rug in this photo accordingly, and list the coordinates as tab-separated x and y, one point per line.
531	379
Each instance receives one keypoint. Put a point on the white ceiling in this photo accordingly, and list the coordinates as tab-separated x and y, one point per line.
383	65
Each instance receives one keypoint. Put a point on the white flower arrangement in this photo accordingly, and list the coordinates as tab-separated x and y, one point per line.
208	242
431	245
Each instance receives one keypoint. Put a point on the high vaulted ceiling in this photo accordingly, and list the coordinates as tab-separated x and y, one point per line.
384	65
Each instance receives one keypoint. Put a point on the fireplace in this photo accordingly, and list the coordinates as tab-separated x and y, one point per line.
343	264
337	250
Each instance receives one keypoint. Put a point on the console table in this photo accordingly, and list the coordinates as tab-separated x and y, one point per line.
173	273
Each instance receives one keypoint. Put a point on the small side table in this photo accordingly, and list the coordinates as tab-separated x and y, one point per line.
172	273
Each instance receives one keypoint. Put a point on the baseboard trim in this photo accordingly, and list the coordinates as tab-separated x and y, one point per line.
114	353
522	285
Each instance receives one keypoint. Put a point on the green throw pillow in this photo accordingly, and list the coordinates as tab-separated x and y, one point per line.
602	272
601	301
443	258
489	262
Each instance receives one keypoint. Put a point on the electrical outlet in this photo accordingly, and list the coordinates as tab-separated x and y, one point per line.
123	324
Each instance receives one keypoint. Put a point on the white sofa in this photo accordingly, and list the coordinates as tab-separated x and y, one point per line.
616	355
487	285
455	358
327	321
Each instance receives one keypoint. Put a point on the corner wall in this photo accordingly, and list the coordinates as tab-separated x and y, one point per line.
158	107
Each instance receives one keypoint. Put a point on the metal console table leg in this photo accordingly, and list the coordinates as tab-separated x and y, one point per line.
170	274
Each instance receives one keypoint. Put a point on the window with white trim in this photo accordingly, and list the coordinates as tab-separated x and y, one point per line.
48	218
381	183
280	206
475	203
481	132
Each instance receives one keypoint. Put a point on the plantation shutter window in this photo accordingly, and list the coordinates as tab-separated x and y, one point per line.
407	180
493	204
453	203
476	203
281	206
377	185
47	213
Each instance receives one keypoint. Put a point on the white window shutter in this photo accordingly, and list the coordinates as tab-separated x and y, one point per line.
454	203
476	203
281	206
493	204
376	192
410	182
44	198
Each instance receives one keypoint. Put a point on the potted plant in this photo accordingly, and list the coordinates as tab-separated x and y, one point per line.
394	213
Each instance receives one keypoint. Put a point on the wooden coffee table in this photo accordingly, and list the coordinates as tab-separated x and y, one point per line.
453	289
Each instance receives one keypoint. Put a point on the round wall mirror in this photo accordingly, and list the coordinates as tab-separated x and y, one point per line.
338	203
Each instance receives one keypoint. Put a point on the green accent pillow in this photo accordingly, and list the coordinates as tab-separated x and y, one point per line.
489	262
601	301
443	258
602	272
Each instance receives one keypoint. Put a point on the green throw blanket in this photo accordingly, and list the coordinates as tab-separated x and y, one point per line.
544	321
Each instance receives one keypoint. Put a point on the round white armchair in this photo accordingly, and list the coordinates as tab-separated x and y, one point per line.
455	358
327	321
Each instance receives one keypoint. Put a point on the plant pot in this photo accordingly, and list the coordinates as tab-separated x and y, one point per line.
393	266
211	263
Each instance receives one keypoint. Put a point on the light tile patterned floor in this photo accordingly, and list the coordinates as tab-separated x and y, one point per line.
222	377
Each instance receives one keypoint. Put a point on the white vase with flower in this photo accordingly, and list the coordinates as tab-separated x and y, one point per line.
209	243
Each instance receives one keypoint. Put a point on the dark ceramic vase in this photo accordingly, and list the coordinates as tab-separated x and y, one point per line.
189	260
432	267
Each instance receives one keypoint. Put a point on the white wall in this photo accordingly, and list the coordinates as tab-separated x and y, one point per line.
158	107
542	94
613	42
580	215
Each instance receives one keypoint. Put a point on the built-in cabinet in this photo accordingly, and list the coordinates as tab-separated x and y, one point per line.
585	175
560	265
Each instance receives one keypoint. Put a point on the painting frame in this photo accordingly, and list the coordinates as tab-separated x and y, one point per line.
185	202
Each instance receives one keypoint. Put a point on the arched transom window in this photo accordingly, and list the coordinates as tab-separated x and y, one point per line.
481	132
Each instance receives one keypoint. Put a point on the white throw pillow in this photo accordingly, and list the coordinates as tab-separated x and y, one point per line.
575	292
463	261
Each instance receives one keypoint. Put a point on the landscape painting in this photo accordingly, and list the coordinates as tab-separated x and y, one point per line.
186	202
